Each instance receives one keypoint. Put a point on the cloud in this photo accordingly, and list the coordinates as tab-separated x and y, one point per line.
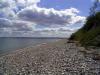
95	0
23	18
11	26
49	17
55	32
16	5
4	4
22	26
27	2
5	23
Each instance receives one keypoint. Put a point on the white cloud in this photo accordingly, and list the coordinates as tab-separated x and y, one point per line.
44	16
15	26
95	0
24	15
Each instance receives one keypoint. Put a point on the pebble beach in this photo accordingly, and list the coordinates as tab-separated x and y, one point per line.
56	58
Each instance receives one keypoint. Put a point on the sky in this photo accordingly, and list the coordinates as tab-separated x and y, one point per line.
42	18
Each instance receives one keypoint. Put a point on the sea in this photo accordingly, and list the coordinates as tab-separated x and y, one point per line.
8	44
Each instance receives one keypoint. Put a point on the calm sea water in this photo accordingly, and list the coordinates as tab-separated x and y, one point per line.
10	44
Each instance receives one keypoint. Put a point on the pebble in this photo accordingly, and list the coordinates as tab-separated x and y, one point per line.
48	59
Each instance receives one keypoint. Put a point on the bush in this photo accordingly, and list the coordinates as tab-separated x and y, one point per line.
89	34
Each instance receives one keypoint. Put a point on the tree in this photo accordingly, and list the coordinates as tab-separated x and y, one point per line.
94	8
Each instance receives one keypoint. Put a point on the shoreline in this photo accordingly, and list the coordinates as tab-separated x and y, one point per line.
25	48
55	58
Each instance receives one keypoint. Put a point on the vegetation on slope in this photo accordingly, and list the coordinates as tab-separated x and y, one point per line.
89	34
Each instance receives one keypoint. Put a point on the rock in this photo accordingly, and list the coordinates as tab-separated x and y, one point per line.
51	59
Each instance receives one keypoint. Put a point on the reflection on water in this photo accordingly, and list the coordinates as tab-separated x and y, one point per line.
9	44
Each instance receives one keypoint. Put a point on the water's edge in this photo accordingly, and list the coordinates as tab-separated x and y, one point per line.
33	44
